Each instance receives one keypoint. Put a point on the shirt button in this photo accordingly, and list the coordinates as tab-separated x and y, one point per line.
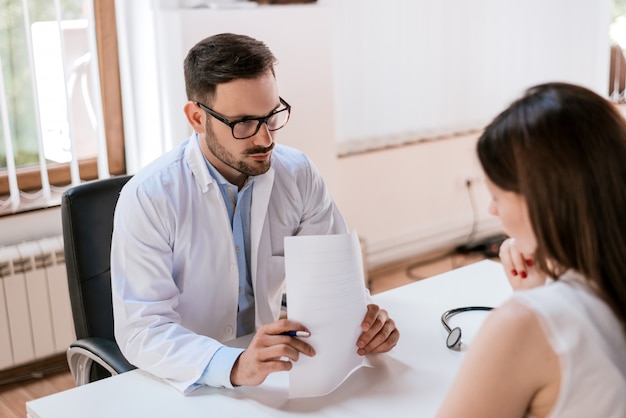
229	330
237	250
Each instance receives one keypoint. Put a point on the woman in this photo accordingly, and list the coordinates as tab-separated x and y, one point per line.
555	165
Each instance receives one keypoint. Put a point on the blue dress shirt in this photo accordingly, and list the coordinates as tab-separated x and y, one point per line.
238	203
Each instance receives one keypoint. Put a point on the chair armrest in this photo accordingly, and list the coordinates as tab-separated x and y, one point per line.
82	353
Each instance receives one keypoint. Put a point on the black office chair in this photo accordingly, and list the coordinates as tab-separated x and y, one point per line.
87	218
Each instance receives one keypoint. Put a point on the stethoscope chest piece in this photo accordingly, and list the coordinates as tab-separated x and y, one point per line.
453	341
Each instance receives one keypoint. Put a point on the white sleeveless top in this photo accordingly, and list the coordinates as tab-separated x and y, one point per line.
590	343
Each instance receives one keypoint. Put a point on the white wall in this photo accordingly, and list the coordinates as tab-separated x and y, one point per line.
29	226
424	68
413	199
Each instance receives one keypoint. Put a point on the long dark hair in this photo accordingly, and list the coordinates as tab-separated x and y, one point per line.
563	148
222	58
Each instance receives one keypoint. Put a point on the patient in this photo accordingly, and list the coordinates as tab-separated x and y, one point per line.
555	163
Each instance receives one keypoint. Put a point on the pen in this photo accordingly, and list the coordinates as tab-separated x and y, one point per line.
296	333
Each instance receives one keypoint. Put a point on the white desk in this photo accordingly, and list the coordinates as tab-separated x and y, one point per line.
411	380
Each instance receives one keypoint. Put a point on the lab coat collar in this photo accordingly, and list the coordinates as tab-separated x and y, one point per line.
196	161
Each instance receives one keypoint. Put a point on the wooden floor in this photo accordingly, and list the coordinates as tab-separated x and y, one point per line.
14	395
409	271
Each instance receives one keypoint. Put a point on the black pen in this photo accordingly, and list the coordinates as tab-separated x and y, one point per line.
296	333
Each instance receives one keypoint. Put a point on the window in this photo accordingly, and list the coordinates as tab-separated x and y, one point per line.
618	23
59	99
617	77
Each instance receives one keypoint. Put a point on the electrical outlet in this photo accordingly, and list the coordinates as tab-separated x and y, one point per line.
465	183
470	181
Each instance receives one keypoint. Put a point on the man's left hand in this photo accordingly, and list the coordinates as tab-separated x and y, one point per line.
379	332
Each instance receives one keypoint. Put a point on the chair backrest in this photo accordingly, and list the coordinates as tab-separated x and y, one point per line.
87	218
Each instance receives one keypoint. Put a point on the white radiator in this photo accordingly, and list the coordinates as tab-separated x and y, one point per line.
35	312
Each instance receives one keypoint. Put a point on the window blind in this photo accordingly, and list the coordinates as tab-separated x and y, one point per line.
416	70
56	89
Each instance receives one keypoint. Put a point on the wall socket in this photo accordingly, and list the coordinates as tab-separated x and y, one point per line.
467	182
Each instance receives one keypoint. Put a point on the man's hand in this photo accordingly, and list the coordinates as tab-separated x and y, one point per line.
269	352
519	268
379	332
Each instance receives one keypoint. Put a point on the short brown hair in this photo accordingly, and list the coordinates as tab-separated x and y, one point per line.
222	58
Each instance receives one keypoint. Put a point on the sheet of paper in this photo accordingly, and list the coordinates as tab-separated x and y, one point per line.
326	293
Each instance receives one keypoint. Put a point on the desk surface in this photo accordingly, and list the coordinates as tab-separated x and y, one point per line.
411	380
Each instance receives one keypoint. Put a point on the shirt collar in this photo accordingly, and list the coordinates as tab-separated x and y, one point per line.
221	180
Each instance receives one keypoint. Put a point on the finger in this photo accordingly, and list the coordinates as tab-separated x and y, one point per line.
375	327
370	317
388	344
249	371
278	347
283	326
300	346
502	251
505	255
513	260
519	263
280	352
383	341
280	342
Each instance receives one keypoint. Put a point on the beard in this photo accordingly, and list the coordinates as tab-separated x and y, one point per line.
253	168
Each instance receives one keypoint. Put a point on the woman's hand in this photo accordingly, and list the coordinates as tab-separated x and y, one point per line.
519	267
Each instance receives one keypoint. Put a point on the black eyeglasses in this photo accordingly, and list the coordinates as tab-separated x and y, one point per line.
248	127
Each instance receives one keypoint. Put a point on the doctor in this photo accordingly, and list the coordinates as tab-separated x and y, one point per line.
197	253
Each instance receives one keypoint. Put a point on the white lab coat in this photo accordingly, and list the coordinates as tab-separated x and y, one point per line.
174	269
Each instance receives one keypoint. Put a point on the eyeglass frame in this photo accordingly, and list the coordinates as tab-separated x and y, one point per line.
261	120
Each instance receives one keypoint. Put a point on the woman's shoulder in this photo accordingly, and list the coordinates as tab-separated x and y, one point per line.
514	328
512	320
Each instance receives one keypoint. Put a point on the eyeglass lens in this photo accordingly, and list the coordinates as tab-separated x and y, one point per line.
247	128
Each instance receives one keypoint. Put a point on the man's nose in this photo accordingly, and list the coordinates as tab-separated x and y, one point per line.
263	137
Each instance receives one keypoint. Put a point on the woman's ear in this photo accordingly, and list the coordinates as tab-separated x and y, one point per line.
194	116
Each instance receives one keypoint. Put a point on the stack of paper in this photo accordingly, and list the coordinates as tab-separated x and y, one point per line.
325	293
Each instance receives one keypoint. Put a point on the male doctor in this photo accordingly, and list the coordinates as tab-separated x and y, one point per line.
197	253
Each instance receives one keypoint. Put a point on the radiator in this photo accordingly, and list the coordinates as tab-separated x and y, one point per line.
35	312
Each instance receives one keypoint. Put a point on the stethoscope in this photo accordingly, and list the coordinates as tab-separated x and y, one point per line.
453	342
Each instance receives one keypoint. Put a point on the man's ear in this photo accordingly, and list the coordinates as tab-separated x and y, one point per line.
194	116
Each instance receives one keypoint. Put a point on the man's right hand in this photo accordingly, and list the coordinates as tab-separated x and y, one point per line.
269	352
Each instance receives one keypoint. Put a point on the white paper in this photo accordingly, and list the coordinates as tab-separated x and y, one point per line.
326	293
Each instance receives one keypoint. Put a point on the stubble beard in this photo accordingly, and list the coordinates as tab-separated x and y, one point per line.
221	153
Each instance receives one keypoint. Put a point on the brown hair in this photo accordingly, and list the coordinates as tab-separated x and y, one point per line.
223	58
563	148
